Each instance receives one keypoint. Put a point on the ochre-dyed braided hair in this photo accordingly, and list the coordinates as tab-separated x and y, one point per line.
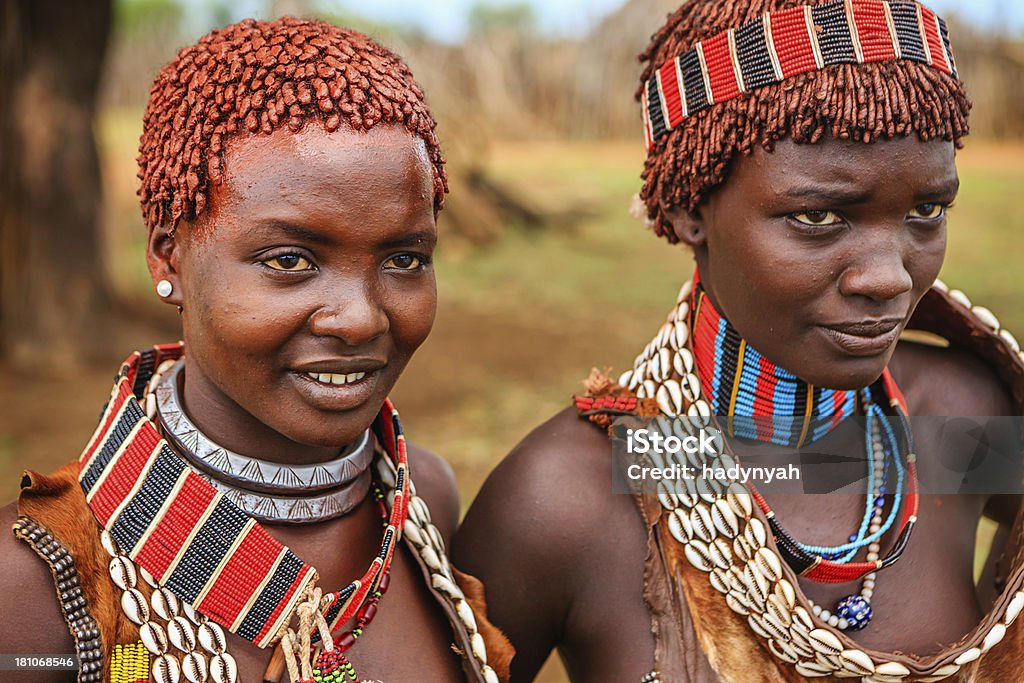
864	102
253	77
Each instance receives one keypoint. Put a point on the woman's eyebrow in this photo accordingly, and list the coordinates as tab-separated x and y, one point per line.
411	239
821	192
292	230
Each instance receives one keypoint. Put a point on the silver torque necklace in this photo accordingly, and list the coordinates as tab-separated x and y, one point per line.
268	491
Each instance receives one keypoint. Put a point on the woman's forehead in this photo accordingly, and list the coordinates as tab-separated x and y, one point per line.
908	161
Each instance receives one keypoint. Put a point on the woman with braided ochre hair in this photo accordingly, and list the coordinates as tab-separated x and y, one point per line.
246	510
805	152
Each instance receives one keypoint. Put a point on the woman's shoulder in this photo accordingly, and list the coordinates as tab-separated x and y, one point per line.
553	492
948	381
28	596
435	484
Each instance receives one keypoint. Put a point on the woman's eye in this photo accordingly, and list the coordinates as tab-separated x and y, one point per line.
289	262
928	211
404	262
817	218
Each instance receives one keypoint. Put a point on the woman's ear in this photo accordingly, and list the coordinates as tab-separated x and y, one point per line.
162	257
688	226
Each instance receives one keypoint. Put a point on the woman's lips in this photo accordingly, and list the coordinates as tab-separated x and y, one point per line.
868	338
336	391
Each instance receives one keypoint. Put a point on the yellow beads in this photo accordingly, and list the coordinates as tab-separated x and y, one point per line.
129	664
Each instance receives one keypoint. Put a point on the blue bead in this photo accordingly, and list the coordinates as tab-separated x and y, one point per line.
853	537
856	610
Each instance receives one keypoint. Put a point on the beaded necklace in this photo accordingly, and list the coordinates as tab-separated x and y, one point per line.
198	547
743	384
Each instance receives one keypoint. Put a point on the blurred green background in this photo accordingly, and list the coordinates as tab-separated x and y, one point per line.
542	272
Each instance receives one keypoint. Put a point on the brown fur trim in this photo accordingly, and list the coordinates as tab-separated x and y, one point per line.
499	649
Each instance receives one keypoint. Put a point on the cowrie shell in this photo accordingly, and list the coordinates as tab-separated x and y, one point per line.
680	334
756	583
684	292
736	605
412	532
776	606
638	375
134	605
147	577
994	635
670	397
940	285
193	667
812	670
223	668
191	613
825	642
769	563
719	579
107	541
435	537
153	637
1013	609
891	669
446	586
703	527
774	627
783	651
785	595
211	637
1010	340
165	603
967	656
625	378
476	641
679	526
959	297
741	546
667	496
430	558
489	675
647	389
940	673
986	317
757	626
420	506
755	533
181	634
739	500
698	555
122	572
721	553
466	615
858	662
725	519
654	367
166	669
682	362
691	386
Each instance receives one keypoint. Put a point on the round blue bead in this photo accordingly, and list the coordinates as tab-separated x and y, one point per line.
856	610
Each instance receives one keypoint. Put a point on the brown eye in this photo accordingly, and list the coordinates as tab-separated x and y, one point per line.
289	263
404	262
928	211
817	218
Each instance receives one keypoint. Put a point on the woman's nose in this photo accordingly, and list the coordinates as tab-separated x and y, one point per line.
356	317
878	270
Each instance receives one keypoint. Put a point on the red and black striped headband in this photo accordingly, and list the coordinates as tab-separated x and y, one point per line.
788	42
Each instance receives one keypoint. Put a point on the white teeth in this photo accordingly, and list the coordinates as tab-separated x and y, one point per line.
332	378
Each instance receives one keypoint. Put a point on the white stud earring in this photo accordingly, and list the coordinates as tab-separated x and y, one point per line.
164	288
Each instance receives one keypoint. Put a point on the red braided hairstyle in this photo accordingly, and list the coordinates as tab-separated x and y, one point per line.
253	77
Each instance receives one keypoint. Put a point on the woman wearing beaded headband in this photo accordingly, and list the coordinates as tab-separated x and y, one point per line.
805	151
217	526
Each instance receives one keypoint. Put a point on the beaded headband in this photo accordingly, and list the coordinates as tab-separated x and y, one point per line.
788	42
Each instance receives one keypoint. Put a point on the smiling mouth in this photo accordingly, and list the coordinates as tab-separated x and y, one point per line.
335	378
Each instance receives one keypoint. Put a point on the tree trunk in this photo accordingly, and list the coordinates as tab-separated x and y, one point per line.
54	302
